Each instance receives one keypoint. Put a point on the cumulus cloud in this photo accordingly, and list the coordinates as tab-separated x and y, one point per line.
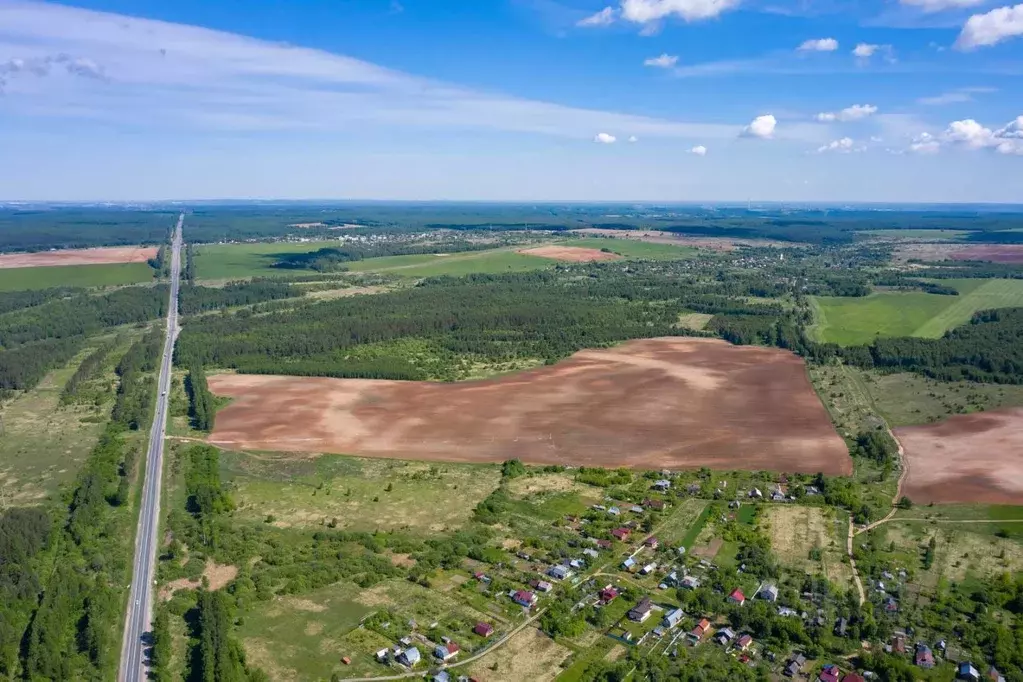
983	30
842	146
633	139
665	61
762	127
652	11
853	113
699	150
939	5
604	138
972	135
42	66
924	143
865	50
819	45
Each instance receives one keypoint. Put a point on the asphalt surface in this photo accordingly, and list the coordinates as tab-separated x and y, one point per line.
138	620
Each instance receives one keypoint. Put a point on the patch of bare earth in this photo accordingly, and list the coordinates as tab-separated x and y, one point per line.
651	404
660	237
574	254
966	458
98	256
529	656
218	575
995	253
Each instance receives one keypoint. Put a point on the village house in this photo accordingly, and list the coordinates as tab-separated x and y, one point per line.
662	485
768	592
636	509
629	564
523	598
541	585
744	642
651	542
641	611
649	568
483	629
608	595
621	534
794	665
924	656
614	511
690	582
829	673
994	675
672	619
447	651
604	544
966	671
841	627
737	597
409	657
898	643
724	636
755	493
592	553
559	572
656	505
382	656
852	677
697	633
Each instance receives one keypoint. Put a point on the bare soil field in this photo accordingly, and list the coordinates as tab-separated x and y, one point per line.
966	458
652	404
996	253
98	256
528	656
572	254
660	237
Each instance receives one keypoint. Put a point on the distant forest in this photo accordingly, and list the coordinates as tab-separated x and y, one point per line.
35	229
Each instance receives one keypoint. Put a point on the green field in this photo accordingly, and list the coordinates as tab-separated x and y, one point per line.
850	321
113	274
455	264
237	261
633	248
918	235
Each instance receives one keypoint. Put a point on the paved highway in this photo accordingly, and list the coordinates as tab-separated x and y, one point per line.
140	601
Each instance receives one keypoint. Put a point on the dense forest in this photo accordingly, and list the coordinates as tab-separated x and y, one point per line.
137	388
201	405
79	228
196	299
16	300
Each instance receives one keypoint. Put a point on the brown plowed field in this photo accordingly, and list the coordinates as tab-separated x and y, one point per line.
656	403
662	237
966	458
574	254
996	253
100	256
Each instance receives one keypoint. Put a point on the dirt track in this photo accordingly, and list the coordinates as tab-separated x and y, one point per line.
100	256
573	254
656	403
966	458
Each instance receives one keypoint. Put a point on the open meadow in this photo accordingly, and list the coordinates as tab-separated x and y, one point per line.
657	403
809	539
857	320
108	275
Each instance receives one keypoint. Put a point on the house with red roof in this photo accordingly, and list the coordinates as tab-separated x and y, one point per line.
621	534
523	598
737	597
608	595
852	677
829	673
651	542
483	629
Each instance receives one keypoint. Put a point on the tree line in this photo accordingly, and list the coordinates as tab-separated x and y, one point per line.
196	299
201	403
87	370
333	258
136	389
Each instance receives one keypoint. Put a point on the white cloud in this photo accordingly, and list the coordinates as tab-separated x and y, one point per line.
924	143
954	96
982	30
842	146
699	150
651	11
604	17
762	127
172	77
605	138
665	61
969	133
819	45
853	113
939	5
633	139
865	50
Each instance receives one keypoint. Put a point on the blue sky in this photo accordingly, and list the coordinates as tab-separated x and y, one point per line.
646	100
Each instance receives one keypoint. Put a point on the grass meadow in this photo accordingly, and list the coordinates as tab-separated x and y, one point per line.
851	321
111	274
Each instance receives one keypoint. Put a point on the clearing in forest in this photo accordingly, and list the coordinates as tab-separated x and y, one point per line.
98	256
805	539
529	656
651	404
966	458
573	254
